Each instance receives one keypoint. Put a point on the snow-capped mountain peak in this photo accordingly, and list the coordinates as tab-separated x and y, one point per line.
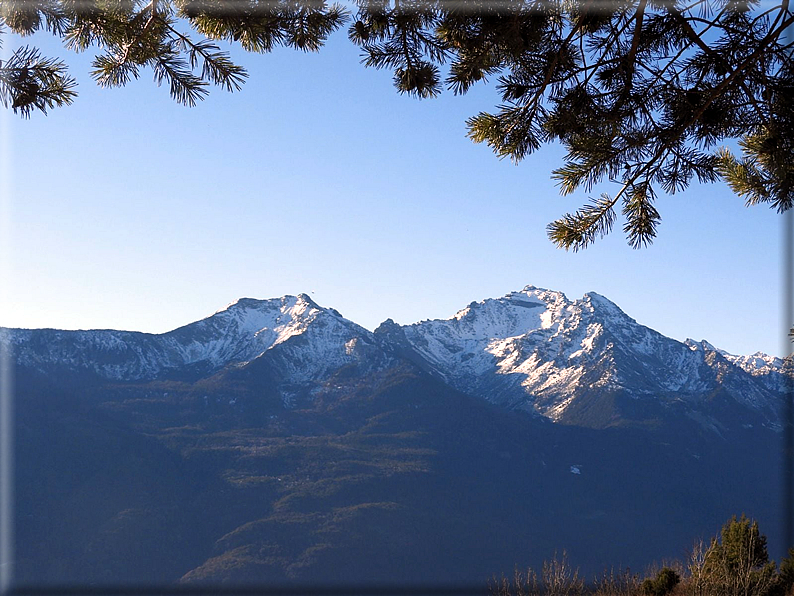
242	331
538	350
532	349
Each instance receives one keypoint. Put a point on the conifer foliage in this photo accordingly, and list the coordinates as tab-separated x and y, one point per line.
736	564
644	94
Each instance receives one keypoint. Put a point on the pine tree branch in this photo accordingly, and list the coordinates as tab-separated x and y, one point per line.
185	87
217	66
698	40
152	8
631	58
28	82
651	165
578	231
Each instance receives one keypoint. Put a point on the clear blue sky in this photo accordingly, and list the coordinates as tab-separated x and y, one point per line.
129	211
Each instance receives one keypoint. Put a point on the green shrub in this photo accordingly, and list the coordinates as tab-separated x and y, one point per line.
662	584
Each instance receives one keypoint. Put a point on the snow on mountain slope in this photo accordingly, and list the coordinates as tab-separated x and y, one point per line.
534	349
537	350
488	337
239	333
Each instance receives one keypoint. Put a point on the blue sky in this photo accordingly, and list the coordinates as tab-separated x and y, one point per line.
129	211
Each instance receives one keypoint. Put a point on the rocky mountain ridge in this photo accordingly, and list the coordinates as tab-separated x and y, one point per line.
235	335
539	351
534	350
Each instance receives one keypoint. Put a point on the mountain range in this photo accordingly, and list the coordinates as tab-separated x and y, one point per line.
277	442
